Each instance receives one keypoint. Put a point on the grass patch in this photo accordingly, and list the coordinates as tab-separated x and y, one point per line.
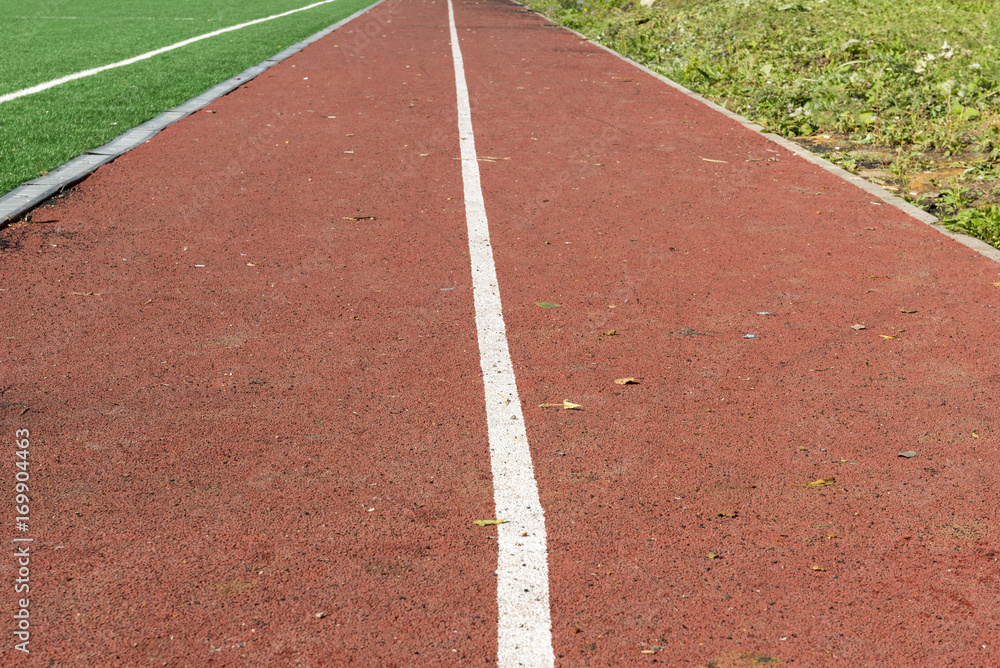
42	131
904	92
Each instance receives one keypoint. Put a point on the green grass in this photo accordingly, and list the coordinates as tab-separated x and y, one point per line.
41	131
893	89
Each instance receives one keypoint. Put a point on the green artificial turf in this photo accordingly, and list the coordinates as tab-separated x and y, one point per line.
41	131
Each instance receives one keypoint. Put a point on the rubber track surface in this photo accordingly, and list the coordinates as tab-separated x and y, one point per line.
246	353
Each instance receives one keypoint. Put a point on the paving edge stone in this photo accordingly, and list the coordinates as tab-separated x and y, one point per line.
30	194
884	195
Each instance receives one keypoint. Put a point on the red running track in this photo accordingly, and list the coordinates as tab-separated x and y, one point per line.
258	430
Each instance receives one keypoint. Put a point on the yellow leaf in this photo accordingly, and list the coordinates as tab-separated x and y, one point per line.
626	381
817	568
728	513
822	482
887	336
712	555
486	523
566	405
610	332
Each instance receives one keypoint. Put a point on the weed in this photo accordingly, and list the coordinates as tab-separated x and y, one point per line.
982	222
918	81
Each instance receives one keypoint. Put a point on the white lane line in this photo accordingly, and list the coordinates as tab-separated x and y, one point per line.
524	634
149	54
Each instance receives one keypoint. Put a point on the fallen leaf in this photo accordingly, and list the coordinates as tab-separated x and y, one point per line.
908	454
359	217
565	405
728	513
626	381
610	332
546	304
709	160
888	337
87	294
826	368
487	523
251	264
822	482
648	651
817	568
907	310
858	327
712	555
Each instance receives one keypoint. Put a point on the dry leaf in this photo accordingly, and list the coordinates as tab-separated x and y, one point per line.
610	332
826	368
907	310
359	217
822	482
251	264
709	160
858	327
908	454
626	381
888	337
87	294
566	405
546	304
817	568
712	555
728	513
486	523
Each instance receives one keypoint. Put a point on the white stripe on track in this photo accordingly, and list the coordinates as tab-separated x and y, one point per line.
524	634
149	54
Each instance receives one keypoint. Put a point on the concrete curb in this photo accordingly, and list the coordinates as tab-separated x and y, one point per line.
27	196
882	194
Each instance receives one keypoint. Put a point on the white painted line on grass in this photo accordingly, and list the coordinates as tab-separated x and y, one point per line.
524	634
149	54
